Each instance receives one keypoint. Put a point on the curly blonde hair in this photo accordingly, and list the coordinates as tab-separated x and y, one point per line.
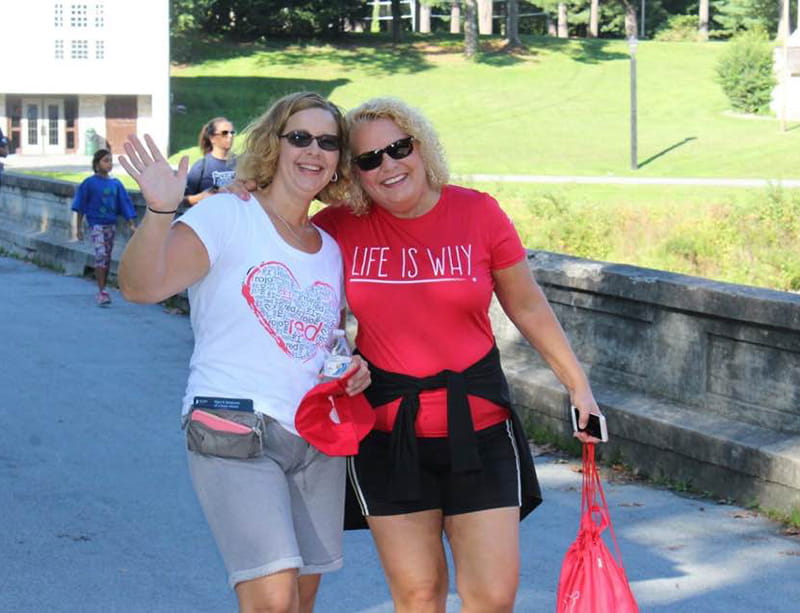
413	123
259	162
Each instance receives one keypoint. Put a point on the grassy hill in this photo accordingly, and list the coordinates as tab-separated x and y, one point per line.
559	108
562	107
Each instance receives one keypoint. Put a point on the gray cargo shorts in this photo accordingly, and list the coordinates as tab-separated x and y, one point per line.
278	511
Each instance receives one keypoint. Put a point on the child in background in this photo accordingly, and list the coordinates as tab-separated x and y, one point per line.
101	199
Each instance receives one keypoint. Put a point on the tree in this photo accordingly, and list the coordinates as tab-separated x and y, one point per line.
485	16
631	21
745	71
563	24
397	21
512	24
594	16
470	28
703	18
658	12
425	18
188	16
455	17
254	19
738	15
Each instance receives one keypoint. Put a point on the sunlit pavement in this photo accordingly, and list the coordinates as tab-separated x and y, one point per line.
98	514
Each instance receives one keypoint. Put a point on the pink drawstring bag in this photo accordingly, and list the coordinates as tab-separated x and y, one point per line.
592	579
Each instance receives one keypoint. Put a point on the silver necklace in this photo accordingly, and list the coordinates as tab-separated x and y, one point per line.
306	226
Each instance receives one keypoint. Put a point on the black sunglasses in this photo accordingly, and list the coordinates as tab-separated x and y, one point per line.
225	132
397	150
301	138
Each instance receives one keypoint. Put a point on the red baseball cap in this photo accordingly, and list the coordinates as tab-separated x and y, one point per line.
332	421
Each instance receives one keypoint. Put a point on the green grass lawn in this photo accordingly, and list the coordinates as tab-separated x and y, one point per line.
560	108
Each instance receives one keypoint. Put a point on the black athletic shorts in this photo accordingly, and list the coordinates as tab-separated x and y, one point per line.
497	485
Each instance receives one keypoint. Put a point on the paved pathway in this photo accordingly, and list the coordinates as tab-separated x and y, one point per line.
98	515
613	180
83	163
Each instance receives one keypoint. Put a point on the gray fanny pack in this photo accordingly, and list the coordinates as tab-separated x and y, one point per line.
225	433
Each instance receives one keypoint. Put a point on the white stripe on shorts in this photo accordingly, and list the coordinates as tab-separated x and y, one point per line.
510	432
353	477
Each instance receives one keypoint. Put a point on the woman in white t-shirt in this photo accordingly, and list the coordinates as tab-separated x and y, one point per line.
265	290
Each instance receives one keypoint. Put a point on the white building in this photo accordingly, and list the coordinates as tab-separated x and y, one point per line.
74	69
786	94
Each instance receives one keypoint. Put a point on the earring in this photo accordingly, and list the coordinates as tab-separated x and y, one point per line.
335	177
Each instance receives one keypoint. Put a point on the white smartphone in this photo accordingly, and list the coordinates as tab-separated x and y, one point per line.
596	426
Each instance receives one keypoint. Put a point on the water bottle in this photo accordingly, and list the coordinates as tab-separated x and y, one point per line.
338	360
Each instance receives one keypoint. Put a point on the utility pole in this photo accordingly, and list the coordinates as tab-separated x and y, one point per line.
632	44
786	29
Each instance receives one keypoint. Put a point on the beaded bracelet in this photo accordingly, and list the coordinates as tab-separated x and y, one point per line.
149	208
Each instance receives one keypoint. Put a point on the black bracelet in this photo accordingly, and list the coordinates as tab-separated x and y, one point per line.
149	208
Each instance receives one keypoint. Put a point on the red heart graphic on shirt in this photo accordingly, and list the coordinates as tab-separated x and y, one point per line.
300	320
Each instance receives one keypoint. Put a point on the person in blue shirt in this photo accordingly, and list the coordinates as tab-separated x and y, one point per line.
101	199
217	166
3	152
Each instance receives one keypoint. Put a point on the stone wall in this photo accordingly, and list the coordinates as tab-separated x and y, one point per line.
36	222
700	381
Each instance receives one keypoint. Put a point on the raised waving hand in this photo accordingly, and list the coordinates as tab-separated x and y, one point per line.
162	187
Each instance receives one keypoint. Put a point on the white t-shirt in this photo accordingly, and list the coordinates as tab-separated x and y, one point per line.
263	315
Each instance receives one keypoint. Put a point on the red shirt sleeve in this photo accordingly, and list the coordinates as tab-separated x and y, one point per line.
505	244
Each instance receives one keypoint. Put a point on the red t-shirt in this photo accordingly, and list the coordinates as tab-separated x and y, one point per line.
421	288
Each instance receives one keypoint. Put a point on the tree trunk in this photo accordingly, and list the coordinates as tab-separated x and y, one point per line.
397	22
631	22
425	19
455	18
702	30
785	22
470	28
594	19
375	23
512	25
563	26
485	17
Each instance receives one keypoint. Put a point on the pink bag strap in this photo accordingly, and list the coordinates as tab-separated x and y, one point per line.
592	488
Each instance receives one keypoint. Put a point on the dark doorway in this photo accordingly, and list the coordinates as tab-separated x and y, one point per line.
120	121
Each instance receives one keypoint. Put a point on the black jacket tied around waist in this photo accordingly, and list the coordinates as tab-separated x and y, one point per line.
484	379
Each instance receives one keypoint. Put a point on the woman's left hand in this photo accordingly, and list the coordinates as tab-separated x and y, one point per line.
586	404
361	379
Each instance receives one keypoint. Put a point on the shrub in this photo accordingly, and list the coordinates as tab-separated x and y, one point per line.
745	72
679	28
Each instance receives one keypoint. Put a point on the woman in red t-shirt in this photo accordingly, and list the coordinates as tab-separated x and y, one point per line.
448	455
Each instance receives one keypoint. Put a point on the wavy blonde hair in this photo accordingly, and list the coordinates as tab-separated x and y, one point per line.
259	162
412	122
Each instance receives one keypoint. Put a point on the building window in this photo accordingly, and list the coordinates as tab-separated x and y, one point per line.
78	16
99	16
99	49
52	124
80	50
58	15
58	50
33	124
